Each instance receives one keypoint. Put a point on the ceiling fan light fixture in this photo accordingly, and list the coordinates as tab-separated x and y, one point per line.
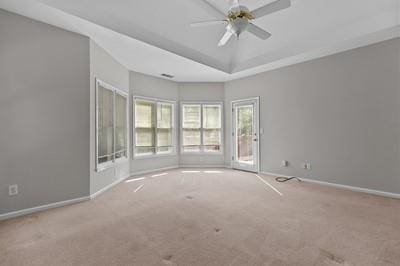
238	26
244	14
239	19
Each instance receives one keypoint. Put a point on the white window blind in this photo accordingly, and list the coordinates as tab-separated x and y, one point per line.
105	128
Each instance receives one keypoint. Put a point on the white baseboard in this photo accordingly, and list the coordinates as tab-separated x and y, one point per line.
15	214
104	189
352	188
94	195
154	170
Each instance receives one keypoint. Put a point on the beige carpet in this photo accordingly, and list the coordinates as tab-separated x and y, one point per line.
220	217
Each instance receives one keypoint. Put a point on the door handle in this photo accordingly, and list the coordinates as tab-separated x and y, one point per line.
255	139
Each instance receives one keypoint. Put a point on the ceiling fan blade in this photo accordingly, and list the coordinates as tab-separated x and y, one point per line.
225	38
271	8
210	8
257	31
208	23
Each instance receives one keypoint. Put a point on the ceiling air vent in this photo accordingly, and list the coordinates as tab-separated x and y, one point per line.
167	76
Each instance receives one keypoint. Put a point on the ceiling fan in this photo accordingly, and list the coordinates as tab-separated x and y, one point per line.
239	19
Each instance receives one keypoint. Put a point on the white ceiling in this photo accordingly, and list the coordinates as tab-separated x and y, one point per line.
154	36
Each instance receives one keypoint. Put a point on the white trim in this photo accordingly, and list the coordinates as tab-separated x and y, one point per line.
153	99
15	214
257	101
346	187
104	189
246	99
154	170
152	156
245	69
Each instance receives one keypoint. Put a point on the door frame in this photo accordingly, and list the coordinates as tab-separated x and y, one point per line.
257	127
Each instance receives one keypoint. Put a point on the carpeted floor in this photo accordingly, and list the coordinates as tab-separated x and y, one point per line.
210	217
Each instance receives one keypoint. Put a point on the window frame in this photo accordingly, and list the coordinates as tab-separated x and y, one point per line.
156	101
114	162
202	151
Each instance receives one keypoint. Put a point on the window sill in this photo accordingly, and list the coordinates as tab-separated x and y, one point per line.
202	153
150	156
104	166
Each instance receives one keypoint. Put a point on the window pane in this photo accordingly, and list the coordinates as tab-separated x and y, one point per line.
164	115
105	116
212	136
191	137
144	114
212	139
191	116
121	126
145	117
145	137
244	134
164	137
164	127
211	116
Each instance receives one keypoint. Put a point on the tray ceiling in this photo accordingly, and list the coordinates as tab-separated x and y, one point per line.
308	29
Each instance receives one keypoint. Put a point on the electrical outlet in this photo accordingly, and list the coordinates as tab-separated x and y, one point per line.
12	190
304	165
284	163
308	166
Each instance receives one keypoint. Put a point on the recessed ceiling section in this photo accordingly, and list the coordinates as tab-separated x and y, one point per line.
155	36
305	26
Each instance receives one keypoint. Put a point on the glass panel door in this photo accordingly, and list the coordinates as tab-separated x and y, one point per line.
245	135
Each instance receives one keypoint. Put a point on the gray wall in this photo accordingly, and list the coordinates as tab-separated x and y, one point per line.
106	68
44	113
341	113
201	92
148	86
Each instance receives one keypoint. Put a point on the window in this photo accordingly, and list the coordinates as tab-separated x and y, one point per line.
112	126
201	127
154	131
